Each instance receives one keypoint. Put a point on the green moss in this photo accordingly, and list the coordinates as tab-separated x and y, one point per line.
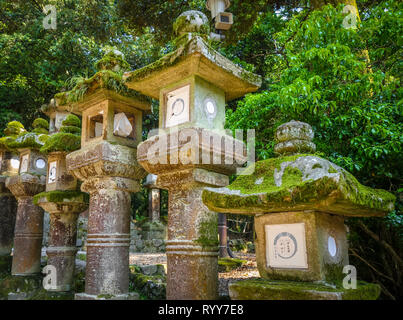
29	140
365	196
61	141
72	120
82	257
259	189
112	61
14	128
261	289
40	123
103	79
208	236
60	196
228	264
70	129
149	287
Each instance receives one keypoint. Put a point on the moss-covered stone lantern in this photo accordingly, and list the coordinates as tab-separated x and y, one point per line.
57	114
299	202
192	83
64	202
9	165
107	165
29	182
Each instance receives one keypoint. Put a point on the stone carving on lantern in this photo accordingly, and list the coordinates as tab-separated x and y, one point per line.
9	165
107	165
29	182
63	202
193	83
299	202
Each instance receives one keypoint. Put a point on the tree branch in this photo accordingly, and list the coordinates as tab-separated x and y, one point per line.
383	243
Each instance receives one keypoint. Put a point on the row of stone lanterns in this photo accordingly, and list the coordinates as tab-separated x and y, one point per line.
193	83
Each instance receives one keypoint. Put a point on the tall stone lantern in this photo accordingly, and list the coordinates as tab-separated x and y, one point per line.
107	165
9	165
193	83
63	202
299	202
29	182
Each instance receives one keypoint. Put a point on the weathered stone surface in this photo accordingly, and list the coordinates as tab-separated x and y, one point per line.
194	57
191	148
29	224
191	21
260	289
62	249
8	211
192	246
294	137
63	180
108	236
321	265
104	159
297	183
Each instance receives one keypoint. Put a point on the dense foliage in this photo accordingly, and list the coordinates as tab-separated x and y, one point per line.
345	82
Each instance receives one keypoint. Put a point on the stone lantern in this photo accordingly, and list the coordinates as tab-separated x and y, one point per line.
193	83
29	182
154	201
9	165
63	202
107	165
57	114
299	202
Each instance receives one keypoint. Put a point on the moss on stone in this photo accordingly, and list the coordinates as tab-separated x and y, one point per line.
228	264
103	79
61	196
66	142
263	188
261	289
112	61
149	287
70	129
208	236
14	128
40	123
71	120
29	140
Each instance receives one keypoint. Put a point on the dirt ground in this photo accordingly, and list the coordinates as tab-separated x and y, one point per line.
248	270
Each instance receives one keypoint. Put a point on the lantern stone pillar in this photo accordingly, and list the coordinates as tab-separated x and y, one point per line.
222	233
299	202
154	198
63	201
107	165
28	234
29	222
8	205
193	84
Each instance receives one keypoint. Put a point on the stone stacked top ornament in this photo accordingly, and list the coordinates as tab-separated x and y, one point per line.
294	137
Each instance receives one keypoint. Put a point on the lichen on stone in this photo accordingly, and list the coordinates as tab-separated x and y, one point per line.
299	182
207	230
58	196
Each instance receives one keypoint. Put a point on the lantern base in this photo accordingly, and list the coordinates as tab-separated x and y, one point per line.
262	289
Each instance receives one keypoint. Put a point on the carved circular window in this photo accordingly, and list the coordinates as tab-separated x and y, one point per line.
331	246
15	163
40	163
210	108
